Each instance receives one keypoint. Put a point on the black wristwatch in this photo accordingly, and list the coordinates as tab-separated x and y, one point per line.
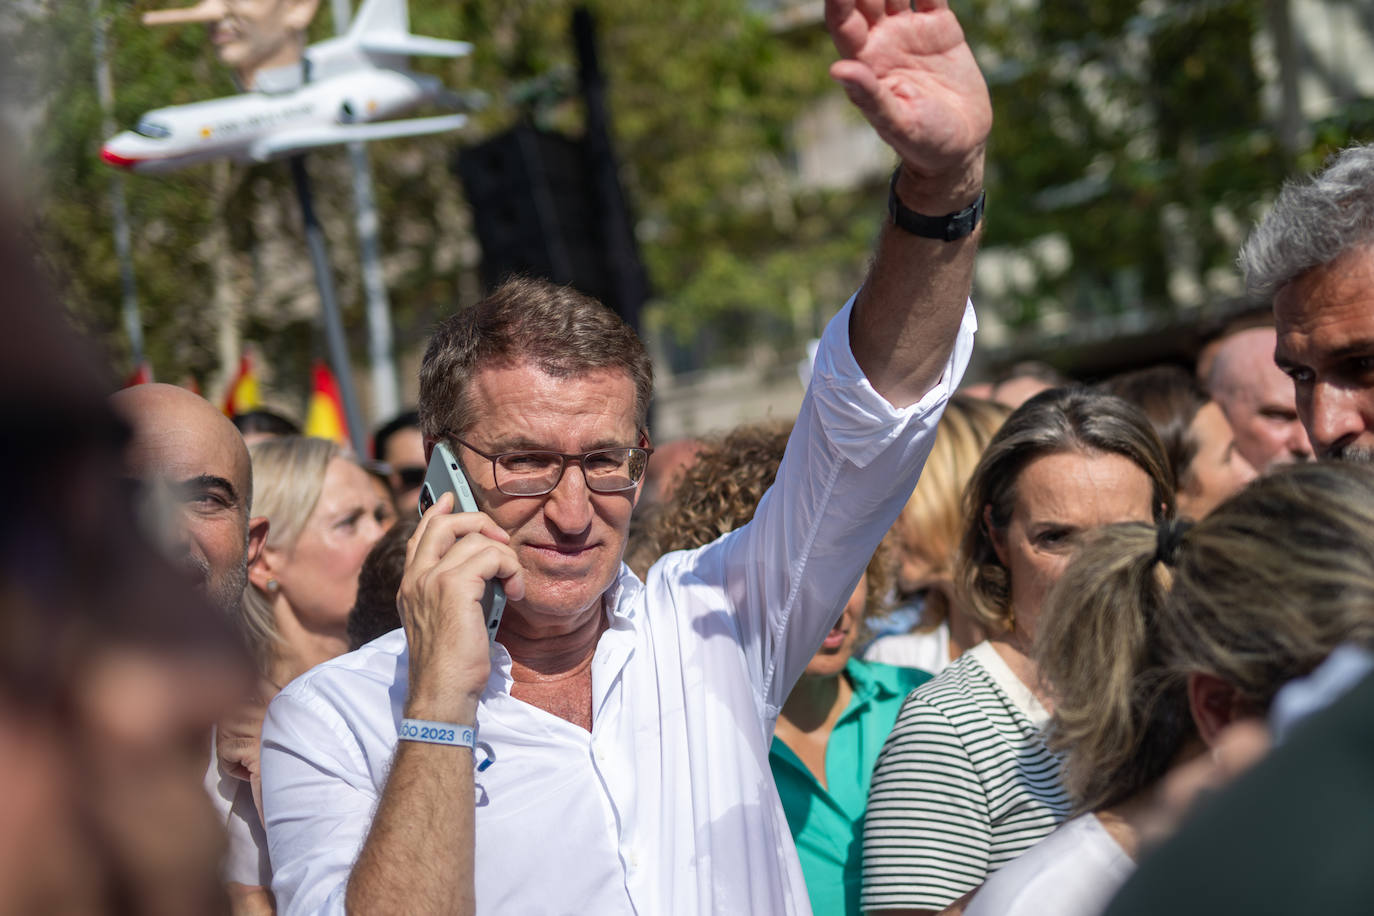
948	228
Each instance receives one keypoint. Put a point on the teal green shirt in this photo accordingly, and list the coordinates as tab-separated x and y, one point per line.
828	823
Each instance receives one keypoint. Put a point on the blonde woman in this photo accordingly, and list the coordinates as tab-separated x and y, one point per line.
927	536
1159	638
325	513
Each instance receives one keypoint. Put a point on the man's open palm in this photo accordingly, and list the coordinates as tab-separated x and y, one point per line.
913	76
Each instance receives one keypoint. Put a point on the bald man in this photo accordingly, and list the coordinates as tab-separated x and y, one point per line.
1258	400
186	443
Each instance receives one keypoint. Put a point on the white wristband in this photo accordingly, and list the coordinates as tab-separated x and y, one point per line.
436	732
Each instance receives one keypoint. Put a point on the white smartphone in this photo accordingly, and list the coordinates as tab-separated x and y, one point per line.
445	475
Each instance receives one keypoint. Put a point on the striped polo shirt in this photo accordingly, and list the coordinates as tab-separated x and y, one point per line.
963	785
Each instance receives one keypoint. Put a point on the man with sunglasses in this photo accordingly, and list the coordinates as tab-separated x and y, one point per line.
399	445
620	728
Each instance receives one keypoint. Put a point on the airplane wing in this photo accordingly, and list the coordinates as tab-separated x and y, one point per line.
285	142
406	45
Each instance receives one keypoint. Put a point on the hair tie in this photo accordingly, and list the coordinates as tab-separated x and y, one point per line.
1168	539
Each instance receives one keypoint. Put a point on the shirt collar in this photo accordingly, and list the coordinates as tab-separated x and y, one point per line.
622	613
500	680
622	599
866	686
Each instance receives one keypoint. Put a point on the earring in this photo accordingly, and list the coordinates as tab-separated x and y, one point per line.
272	587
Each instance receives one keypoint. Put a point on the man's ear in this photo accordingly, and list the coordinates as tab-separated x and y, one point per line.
257	537
996	536
263	568
1214	704
429	448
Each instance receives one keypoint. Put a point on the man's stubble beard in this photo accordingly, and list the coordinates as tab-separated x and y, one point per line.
225	593
228	595
1355	454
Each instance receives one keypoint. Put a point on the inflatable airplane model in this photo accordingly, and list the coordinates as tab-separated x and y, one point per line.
352	85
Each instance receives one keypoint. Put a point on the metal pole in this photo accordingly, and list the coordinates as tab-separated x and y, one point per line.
629	284
386	399
329	305
1291	124
104	84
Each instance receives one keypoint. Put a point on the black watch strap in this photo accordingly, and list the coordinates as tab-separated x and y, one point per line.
948	228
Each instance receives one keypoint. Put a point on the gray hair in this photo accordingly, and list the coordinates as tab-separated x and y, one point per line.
1313	222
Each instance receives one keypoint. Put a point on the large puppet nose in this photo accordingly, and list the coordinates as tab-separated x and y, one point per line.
205	11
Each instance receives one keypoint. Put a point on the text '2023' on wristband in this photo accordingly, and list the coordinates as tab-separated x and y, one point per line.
436	732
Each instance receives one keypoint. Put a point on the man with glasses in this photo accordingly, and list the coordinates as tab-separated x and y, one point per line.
620	728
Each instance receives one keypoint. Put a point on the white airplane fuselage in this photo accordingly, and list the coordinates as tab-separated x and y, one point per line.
257	126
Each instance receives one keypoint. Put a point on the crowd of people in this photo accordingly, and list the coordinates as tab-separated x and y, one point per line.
1034	646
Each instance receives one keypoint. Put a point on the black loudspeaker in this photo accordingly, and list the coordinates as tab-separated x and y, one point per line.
534	210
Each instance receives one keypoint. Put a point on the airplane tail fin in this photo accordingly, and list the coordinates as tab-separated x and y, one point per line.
382	29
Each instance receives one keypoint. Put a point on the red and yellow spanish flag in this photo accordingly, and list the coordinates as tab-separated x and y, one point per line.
325	416
142	375
243	390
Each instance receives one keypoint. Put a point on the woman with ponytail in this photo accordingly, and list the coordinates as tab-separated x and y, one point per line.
1159	637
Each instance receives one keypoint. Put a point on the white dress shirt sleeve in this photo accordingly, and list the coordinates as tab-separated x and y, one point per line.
318	809
245	862
851	463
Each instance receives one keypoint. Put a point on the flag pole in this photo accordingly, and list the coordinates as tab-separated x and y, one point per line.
329	305
104	82
386	397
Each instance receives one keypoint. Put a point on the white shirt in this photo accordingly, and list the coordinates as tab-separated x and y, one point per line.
1072	872
1302	697
927	650
668	804
245	861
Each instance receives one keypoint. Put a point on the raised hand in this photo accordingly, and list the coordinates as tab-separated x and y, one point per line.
909	70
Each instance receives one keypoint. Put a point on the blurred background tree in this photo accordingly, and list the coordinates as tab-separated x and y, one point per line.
1134	144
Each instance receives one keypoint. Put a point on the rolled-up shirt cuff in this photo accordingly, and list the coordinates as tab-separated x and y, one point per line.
851	410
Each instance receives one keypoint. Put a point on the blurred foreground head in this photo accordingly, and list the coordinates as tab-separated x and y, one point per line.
112	667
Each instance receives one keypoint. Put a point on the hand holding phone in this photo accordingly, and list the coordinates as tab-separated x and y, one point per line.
445	475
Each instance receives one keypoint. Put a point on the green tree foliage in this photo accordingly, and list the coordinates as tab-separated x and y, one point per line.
1134	132
1131	132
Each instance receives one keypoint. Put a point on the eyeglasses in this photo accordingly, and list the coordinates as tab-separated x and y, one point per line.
534	473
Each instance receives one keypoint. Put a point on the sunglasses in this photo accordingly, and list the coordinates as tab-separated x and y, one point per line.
410	477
